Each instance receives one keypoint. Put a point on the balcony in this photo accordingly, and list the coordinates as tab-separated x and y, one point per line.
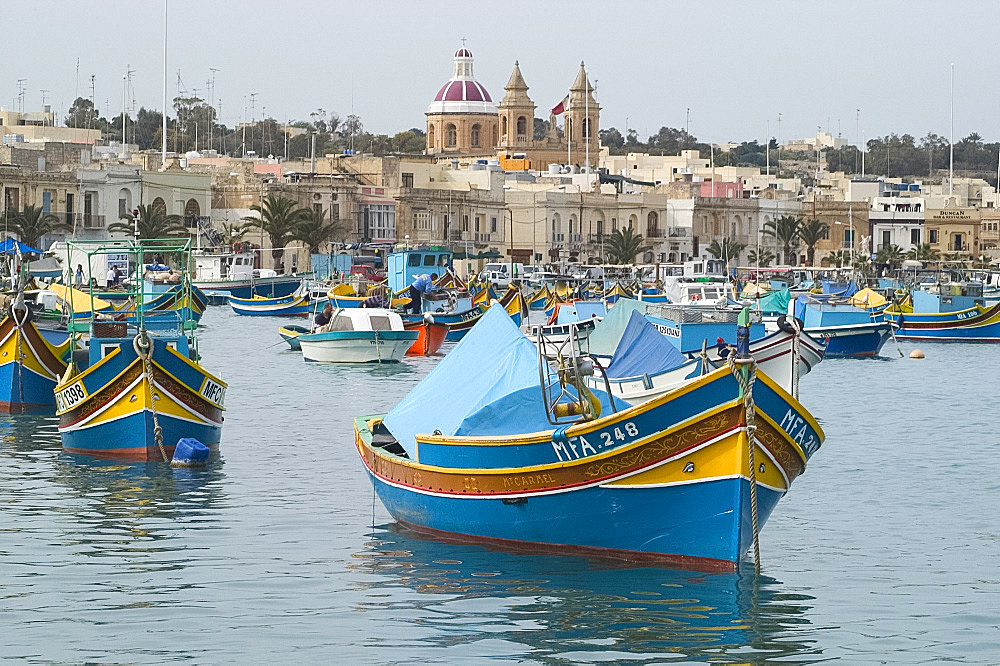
483	238
654	232
678	232
576	238
596	239
558	238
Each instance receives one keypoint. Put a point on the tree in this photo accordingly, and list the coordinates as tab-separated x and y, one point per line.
313	230
763	260
891	255
152	223
613	139
810	233
623	244
82	114
839	258
923	252
785	231
31	224
727	250
279	219
234	233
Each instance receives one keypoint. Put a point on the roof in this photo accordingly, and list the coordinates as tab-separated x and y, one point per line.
462	93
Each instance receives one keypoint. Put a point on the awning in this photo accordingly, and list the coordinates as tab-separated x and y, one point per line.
13	247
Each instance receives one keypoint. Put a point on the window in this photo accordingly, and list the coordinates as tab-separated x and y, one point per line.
428	260
192	211
933	236
46	202
614	224
407	180
413	260
335	210
12	198
503	128
430	136
600	227
848	238
158	206
652	224
493	225
465	223
318	209
380	323
450	136
421	220
377	221
474	136
478	227
886	237
522	127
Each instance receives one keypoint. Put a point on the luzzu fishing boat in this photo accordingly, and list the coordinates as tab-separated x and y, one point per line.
430	337
687	478
849	331
948	317
30	365
295	305
462	317
135	392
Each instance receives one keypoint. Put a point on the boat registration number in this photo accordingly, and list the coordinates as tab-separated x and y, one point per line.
214	392
70	396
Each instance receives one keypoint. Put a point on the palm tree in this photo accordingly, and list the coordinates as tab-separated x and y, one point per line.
279	218
764	260
152	223
812	232
623	244
32	223
891	254
233	233
923	252
313	230
839	258
727	250
785	231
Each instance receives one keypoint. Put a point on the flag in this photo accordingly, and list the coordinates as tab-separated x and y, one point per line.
561	106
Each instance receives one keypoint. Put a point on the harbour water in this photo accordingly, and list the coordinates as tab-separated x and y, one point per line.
885	550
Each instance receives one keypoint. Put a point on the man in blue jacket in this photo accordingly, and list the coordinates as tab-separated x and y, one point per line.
422	285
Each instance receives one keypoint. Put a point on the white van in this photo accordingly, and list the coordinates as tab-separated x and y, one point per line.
500	275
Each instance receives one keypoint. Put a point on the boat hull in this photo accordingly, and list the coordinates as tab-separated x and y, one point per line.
430	338
853	340
274	287
290	334
979	324
30	366
356	346
106	411
266	307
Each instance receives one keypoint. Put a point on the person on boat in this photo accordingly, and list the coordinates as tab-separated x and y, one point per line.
424	284
79	279
722	346
324	317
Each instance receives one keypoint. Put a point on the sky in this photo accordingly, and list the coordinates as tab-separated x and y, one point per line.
735	65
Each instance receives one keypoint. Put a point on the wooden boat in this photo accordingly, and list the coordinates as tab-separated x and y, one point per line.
956	312
233	272
344	296
685	478
296	305
136	392
431	337
290	334
847	330
359	335
538	299
460	323
30	365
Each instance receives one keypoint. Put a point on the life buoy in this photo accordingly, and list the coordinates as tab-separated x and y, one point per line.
695	297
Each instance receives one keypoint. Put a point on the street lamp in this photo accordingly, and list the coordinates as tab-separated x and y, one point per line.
853	235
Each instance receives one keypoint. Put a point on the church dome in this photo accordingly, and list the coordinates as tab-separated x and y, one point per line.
462	93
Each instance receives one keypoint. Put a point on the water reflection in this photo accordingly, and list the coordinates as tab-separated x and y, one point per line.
579	610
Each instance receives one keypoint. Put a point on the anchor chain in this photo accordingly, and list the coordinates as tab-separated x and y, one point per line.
142	345
746	385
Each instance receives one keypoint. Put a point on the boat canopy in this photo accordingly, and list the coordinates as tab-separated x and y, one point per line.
775	302
608	333
487	385
643	350
15	247
866	298
81	301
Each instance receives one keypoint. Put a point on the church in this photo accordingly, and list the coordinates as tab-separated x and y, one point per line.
464	122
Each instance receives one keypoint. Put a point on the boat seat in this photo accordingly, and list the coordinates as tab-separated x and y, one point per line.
383	439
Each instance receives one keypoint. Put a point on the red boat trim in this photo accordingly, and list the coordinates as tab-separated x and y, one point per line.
704	564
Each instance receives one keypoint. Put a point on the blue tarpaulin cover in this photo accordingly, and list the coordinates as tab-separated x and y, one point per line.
844	289
11	246
606	335
486	385
775	302
643	350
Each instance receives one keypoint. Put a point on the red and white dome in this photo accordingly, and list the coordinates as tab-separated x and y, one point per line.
462	93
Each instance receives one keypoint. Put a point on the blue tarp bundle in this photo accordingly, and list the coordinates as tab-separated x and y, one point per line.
845	289
13	247
608	333
486	385
643	351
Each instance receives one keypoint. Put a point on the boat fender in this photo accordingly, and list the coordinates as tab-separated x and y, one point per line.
428	318
189	452
787	327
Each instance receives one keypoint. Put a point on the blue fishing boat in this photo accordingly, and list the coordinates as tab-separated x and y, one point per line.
689	328
847	330
495	445
135	392
294	305
30	365
952	313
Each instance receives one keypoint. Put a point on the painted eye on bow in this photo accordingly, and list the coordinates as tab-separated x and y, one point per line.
762	468
689	468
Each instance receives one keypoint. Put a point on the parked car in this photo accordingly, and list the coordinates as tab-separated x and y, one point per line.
368	272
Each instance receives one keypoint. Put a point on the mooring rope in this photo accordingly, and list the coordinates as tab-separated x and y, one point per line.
142	345
746	385
19	352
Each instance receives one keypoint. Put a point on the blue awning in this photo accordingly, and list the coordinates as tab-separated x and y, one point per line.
13	247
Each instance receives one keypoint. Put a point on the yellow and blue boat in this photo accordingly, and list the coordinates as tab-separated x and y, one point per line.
475	452
30	365
538	299
296	305
135	392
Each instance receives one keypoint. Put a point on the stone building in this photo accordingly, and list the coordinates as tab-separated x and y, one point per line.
462	119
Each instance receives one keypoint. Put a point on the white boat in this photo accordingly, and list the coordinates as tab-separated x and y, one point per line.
234	274
359	335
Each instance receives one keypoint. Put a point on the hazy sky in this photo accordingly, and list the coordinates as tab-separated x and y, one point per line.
735	64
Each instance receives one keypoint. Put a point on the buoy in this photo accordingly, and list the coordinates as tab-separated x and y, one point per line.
916	353
189	453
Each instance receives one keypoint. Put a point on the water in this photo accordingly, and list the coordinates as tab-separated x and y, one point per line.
886	549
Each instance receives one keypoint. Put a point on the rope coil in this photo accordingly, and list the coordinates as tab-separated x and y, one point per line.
143	346
746	383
